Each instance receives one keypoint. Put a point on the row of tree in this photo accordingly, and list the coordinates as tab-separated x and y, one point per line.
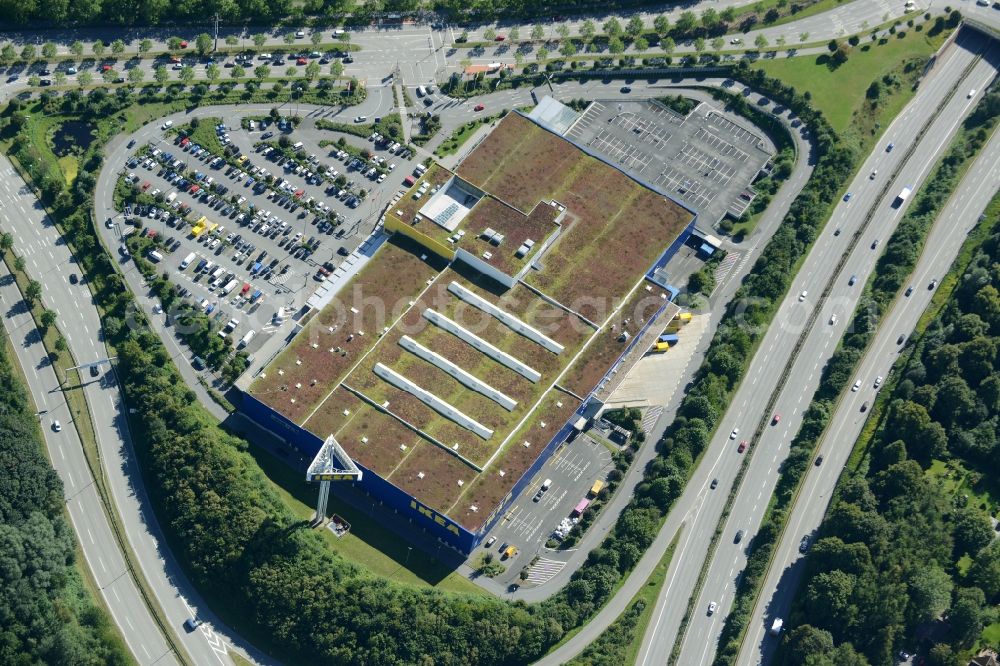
46	615
906	559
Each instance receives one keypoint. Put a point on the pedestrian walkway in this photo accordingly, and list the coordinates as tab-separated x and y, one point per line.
725	267
543	570
650	416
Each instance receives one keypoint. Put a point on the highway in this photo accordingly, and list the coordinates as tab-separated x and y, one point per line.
83	503
944	241
875	187
48	260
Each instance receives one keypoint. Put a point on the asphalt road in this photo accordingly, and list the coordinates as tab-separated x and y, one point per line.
49	261
944	241
750	405
83	503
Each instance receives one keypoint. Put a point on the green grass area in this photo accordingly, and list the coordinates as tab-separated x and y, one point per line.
368	544
70	167
990	636
458	138
204	135
829	87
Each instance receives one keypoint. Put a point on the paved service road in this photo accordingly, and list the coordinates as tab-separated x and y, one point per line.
49	261
959	215
750	407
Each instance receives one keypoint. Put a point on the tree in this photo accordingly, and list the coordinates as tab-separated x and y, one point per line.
761	41
259	40
261	72
212	73
567	48
289	37
203	43
640	44
312	70
718	43
290	72
48	318
76	48
514	34
537	31
187	74
686	22
634	27
985	571
710	19
613	27
19	264
6	241
699	45
616	45
930	593
34	80
237	72
973	531
84	79
803	36
563	31
316	37
966	616
109	75
587	29
136	74
161	75
661	25
490	34
28	52
33	292
232	40
780	41
97	48
668	45
808	642
519	59
336	68
48	50
118	47
541	54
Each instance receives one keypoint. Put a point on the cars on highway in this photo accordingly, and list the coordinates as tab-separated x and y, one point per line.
901	339
479	107
739	536
856	386
715	484
775	419
57	426
819	461
847	197
803	295
854	278
804	544
742	447
878	382
931	286
909	290
734	433
711	607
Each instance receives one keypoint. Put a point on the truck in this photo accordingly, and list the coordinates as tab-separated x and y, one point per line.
902	196
596	488
776	626
245	340
229	287
187	260
155	256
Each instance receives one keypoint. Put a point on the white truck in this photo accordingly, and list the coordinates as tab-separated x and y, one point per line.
902	196
187	260
229	287
245	340
776	626
155	256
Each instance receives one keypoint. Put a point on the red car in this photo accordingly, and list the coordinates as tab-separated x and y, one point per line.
500	38
145	186
301	61
742	447
774	421
184	44
479	107
105	68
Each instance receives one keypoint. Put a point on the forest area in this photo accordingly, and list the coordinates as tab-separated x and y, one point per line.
908	556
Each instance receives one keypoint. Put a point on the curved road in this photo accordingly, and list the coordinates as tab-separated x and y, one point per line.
819	339
945	240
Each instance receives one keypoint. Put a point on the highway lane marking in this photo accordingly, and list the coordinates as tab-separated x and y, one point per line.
100	560
62	453
69	475
91	535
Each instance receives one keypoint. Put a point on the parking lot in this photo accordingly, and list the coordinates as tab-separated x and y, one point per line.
705	160
530	521
250	233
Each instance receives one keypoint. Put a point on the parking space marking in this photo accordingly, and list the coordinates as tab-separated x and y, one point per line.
732	128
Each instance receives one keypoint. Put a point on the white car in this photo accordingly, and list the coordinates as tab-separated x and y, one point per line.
972	92
878	381
56	425
856	386
711	607
803	295
833	319
734	433
167	125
